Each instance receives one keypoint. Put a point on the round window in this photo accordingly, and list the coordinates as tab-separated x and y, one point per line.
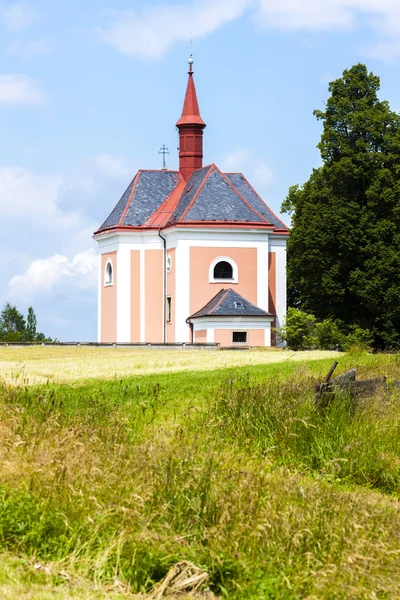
169	263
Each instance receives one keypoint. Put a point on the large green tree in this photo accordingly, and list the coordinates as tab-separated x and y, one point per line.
344	249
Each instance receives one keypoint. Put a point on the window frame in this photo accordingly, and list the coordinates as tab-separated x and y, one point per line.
168	311
168	263
213	264
108	282
241	331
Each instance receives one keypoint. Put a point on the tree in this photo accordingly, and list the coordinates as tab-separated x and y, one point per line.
31	324
14	328
344	249
11	320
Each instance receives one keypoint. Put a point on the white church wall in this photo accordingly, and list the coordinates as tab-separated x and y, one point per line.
279	247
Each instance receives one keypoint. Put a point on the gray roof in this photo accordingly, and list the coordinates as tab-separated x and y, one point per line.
228	303
191	188
143	197
219	201
249	194
208	196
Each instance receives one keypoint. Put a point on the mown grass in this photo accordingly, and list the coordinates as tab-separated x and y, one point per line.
233	470
40	364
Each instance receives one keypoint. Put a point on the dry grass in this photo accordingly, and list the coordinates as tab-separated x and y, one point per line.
35	365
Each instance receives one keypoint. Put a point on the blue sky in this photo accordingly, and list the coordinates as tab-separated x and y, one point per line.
90	90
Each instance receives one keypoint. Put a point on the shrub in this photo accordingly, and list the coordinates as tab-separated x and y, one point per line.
299	330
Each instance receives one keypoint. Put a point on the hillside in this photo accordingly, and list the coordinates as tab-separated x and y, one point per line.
109	482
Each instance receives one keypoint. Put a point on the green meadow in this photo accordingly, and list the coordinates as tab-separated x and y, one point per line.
105	484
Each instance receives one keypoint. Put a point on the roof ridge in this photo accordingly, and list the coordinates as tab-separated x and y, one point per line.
223	296
161	209
137	177
210	168
258	195
240	196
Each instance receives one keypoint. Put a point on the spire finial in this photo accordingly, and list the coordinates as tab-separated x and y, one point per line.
191	60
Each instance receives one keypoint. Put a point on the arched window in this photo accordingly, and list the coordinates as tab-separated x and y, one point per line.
108	276
223	270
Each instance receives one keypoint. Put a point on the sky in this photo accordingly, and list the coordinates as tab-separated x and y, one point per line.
89	92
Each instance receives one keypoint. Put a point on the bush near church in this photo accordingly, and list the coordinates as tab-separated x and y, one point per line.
302	331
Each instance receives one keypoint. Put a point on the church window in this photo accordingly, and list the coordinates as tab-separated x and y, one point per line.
223	269
169	309
168	264
239	337
108	278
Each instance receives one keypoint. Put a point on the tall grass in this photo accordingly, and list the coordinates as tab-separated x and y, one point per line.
104	482
347	441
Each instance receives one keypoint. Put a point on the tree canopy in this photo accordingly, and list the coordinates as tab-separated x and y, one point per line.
14	327
344	249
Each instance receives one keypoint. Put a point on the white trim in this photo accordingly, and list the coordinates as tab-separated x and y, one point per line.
267	339
262	276
142	296
280	251
210	335
123	294
212	279
182	291
99	293
231	323
107	281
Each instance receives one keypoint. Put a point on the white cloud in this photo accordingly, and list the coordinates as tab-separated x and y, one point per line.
150	33
235	160
27	195
262	174
30	48
112	167
16	16
339	15
56	272
242	159
20	90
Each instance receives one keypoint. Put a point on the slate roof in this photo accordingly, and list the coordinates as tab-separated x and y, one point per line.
223	305
143	197
160	199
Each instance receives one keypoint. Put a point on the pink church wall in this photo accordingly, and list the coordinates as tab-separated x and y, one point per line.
135	295
154	265
109	300
201	291
255	337
223	337
171	278
201	336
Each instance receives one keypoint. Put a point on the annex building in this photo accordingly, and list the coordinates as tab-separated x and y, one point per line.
193	255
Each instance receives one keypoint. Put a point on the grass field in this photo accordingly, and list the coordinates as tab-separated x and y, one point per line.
107	483
39	364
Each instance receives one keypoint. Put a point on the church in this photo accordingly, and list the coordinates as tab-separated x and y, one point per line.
193	255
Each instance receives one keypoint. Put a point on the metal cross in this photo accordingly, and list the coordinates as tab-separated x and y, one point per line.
164	151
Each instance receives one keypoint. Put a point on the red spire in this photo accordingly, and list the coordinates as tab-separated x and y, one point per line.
190	111
190	127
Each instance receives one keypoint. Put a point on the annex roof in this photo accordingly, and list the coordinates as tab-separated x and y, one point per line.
161	199
228	303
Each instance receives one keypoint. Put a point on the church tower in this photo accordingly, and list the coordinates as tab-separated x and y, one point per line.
193	255
191	127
